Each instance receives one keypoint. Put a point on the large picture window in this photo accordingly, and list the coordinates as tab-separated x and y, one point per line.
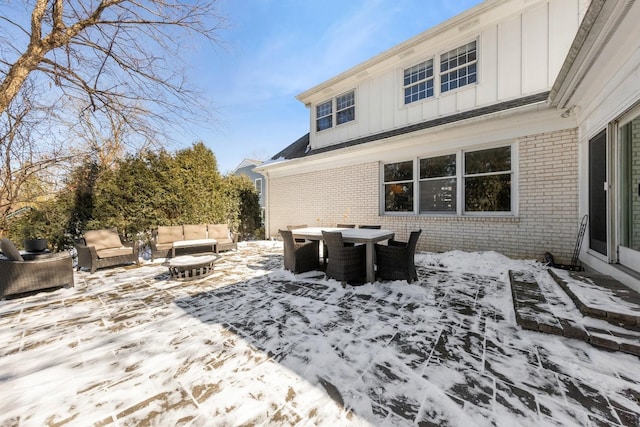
344	107
465	182
459	67
418	82
398	187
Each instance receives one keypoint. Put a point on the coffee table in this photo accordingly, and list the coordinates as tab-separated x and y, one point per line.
192	244
187	267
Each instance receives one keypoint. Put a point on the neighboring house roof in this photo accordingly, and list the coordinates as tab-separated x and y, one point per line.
300	148
248	162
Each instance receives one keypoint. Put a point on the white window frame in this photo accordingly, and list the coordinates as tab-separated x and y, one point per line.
460	184
415	71
258	180
335	108
328	114
457	67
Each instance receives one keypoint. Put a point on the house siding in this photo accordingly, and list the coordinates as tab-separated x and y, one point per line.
547	193
520	51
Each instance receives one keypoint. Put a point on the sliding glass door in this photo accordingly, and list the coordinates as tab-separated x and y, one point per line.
598	193
629	193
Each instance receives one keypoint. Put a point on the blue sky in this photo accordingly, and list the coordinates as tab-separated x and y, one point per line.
275	49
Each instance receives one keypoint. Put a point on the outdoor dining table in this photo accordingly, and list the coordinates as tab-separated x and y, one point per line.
351	235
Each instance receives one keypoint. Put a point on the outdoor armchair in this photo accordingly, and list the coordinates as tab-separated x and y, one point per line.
395	261
103	248
299	257
20	274
345	263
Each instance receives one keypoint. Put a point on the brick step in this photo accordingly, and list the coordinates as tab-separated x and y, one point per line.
601	297
534	312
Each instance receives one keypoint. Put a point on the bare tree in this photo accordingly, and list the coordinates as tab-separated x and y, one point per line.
27	171
116	55
85	78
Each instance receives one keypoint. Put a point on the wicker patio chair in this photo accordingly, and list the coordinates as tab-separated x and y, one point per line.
371	227
20	274
345	263
103	248
299	257
395	261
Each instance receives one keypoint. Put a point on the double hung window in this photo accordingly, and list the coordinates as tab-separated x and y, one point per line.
418	82
483	184
324	116
343	107
458	67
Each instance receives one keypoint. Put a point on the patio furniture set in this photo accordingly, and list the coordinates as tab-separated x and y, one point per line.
23	272
350	254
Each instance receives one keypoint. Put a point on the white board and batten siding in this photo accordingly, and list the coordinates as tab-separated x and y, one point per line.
521	46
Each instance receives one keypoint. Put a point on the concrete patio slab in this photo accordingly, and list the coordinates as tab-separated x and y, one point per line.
252	344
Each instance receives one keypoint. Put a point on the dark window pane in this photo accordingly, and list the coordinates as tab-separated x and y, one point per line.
402	171
435	167
488	193
484	161
398	197
438	195
345	116
324	123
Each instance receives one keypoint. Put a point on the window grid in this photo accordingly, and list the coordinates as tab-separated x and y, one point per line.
324	115
418	82
345	111
459	67
345	108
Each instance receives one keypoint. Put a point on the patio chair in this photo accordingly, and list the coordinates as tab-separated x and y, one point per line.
33	272
371	227
395	261
299	257
103	248
345	263
345	225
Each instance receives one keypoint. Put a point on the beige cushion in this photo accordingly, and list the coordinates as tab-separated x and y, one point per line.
169	233
195	232
163	246
106	253
102	239
9	250
219	232
224	241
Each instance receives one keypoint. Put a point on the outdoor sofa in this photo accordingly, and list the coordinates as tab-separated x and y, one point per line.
32	272
103	248
196	237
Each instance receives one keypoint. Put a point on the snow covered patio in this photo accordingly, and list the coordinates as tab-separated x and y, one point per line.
252	344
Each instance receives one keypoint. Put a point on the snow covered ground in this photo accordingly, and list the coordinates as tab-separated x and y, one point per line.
253	344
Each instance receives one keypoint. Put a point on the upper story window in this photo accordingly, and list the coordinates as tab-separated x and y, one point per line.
458	67
324	115
344	107
418	82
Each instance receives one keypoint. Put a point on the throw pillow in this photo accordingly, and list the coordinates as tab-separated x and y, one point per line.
9	250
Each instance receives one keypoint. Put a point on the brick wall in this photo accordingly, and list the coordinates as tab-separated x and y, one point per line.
548	204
